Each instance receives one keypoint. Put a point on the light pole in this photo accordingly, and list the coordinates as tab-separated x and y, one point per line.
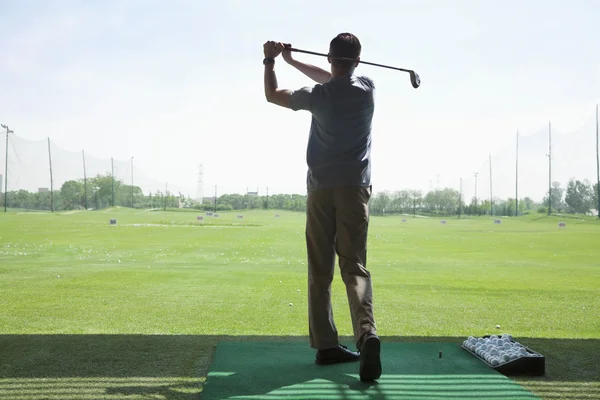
6	168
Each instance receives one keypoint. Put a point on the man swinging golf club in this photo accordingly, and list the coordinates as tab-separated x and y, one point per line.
339	189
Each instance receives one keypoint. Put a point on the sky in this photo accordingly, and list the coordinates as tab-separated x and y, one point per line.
178	84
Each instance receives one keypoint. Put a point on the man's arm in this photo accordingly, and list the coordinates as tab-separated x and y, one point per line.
296	100
274	95
315	73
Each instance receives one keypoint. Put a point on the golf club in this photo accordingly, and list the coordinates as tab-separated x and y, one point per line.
414	77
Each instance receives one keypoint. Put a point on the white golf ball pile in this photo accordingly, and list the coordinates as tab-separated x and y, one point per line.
496	350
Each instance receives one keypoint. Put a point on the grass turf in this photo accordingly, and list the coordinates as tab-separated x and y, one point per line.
163	273
411	370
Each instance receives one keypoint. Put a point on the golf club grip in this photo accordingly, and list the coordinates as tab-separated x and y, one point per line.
290	48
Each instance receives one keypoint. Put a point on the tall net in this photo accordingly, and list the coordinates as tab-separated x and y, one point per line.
492	186
43	176
573	155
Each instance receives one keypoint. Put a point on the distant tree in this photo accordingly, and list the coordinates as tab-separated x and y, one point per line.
484	207
595	197
579	196
401	201
102	186
432	202
416	200
473	208
380	202
72	194
450	201
442	202
528	204
557	198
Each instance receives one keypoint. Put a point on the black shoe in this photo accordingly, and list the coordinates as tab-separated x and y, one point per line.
336	355
370	361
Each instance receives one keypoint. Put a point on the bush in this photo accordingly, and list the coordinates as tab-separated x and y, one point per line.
542	210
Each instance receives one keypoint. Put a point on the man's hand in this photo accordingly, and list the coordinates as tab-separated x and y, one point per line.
272	49
287	54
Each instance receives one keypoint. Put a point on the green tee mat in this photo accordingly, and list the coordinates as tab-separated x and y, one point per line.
255	370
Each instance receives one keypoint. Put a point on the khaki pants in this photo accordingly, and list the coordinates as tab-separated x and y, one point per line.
337	221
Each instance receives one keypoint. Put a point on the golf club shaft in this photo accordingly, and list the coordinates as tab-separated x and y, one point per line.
348	59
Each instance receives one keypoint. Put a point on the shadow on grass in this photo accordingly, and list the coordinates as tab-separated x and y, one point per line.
174	367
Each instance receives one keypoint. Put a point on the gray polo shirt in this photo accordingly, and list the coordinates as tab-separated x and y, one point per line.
339	145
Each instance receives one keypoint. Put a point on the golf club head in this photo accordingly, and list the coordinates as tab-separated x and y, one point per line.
414	79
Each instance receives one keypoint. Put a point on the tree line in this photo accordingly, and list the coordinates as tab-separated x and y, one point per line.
97	192
579	197
102	191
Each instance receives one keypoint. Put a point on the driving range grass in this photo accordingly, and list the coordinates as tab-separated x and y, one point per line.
136	309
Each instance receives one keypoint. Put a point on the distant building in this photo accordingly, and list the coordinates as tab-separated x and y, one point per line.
252	193
43	190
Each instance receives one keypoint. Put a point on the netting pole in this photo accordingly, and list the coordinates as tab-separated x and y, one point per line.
112	166
460	200
85	198
166	190
6	169
549	168
51	183
491	196
132	182
597	163
517	180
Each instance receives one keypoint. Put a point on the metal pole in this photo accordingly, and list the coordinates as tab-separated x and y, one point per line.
51	182
460	200
166	189
85	199
476	208
597	162
132	182
517	180
6	169
491	196
549	168
112	173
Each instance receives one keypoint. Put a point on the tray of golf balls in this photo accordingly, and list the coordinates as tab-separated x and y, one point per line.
505	355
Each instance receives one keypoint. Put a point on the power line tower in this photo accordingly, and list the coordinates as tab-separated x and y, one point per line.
200	184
